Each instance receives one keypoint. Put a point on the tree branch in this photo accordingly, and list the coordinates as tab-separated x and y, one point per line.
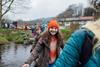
8	8
5	3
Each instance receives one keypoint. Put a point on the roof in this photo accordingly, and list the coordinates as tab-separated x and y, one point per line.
86	18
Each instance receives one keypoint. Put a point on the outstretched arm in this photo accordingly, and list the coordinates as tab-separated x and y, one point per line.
35	52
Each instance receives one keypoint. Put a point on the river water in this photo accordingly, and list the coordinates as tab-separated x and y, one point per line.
13	55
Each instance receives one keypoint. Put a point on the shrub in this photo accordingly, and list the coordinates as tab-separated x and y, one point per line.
66	33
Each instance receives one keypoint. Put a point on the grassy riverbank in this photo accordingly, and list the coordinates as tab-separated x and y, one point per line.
19	36
10	35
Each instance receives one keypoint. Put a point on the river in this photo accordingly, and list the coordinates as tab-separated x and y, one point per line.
13	55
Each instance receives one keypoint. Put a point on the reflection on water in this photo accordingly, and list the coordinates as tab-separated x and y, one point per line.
13	55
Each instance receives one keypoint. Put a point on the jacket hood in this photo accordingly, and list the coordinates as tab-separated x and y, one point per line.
94	27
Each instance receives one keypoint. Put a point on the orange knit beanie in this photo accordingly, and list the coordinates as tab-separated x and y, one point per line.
53	23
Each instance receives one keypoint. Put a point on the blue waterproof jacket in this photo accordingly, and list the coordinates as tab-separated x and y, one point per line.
70	53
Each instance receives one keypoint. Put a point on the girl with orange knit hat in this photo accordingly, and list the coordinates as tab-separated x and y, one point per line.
47	48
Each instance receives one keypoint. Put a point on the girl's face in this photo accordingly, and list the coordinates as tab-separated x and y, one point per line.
53	30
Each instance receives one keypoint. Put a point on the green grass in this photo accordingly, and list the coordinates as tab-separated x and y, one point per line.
3	40
17	36
66	33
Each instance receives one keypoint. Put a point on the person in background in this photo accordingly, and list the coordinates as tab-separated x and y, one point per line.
48	47
33	30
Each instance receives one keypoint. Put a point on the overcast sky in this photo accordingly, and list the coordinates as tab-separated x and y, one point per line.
43	8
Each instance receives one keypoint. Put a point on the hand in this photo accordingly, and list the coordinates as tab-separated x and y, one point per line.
25	65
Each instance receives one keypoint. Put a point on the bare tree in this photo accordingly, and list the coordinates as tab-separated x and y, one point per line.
95	3
7	4
73	10
12	6
19	5
96	6
89	12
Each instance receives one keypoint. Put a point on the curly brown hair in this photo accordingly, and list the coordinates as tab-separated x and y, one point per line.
47	35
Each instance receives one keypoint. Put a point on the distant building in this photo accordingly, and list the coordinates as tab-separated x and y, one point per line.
80	20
